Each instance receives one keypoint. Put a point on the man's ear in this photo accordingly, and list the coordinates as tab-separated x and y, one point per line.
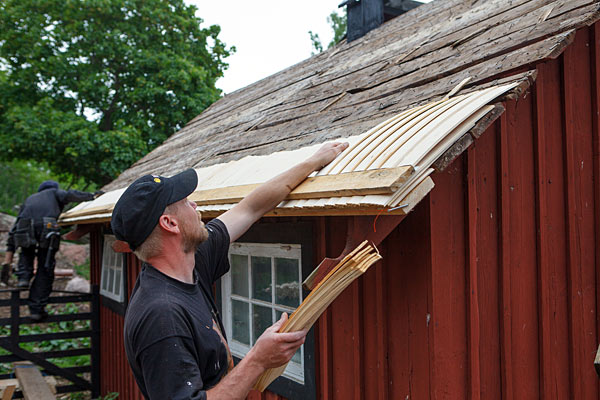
169	223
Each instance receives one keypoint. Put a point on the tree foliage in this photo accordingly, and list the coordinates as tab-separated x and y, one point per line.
338	23
90	86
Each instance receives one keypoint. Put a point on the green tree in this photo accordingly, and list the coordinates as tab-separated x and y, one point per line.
338	23
90	86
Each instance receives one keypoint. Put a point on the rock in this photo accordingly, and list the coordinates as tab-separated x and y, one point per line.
70	255
78	284
6	223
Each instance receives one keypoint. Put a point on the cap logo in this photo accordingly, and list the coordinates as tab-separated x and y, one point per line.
156	179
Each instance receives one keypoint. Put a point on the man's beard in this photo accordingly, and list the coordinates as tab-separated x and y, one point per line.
192	235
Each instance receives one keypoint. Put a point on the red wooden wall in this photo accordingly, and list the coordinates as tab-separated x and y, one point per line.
488	289
115	374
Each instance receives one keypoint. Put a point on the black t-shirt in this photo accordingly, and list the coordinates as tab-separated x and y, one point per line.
172	333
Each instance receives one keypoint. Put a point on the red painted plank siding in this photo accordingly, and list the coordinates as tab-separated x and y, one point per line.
502	257
551	220
595	73
519	246
580	222
484	268
489	288
448	319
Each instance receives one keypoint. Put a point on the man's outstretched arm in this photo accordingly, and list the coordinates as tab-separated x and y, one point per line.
264	198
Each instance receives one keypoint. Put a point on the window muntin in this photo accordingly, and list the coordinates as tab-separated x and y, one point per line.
112	282
265	281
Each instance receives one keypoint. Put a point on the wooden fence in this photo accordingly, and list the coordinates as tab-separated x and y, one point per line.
57	332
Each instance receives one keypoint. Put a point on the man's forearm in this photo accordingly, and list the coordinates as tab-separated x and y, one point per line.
267	196
238	382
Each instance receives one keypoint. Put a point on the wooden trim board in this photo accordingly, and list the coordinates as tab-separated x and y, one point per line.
382	181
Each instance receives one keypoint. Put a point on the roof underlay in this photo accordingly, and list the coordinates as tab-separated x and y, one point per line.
402	71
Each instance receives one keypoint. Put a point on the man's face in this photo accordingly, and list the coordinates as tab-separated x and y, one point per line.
193	231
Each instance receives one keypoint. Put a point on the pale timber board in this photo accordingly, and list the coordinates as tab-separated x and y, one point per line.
340	164
404	136
372	144
447	142
412	199
348	184
14	383
418	146
398	198
33	385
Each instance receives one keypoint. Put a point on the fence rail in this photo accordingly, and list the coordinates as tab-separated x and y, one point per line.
44	359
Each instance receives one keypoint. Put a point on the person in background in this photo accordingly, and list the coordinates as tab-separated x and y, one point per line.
36	232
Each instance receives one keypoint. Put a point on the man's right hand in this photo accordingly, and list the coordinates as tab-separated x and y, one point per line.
273	349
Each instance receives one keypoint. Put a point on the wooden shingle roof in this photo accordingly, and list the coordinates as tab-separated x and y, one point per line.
413	59
386	93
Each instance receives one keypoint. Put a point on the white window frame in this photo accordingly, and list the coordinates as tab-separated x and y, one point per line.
294	370
112	286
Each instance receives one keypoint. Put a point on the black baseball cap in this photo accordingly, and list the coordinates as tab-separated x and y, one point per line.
137	212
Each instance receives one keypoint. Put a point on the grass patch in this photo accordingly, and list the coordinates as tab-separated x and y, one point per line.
83	270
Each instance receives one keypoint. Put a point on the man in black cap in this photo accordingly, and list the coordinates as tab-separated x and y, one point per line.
174	337
35	231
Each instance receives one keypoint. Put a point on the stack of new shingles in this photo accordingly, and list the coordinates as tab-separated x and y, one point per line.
414	138
331	286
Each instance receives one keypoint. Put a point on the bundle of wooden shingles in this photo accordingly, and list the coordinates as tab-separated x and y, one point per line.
327	290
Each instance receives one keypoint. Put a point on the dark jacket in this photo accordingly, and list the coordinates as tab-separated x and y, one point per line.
47	203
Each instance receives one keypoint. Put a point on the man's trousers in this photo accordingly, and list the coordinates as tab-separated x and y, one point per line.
41	287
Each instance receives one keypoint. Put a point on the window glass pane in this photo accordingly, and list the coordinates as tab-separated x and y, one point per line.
297	358
111	279
261	278
104	279
113	257
239	275
118	283
240	324
287	291
263	318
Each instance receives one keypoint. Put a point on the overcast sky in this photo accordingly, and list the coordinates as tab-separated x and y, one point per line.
269	35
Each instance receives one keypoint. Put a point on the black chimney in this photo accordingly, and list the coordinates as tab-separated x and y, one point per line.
366	15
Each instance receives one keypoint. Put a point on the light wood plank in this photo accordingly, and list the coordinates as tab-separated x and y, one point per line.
33	385
354	183
8	391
